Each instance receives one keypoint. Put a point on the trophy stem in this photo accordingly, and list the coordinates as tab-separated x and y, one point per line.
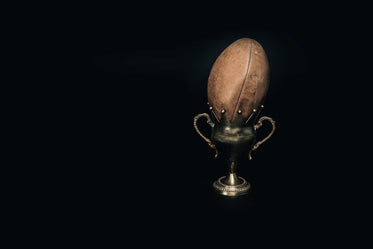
232	178
231	185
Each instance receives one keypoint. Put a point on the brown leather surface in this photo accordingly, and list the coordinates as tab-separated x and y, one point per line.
239	79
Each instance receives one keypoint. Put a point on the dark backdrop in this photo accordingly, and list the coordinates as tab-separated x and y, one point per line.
138	168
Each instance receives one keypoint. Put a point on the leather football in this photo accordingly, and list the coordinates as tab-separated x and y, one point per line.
239	80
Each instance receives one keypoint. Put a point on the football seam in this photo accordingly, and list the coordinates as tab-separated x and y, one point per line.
244	81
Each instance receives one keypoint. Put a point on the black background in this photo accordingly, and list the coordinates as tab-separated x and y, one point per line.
133	167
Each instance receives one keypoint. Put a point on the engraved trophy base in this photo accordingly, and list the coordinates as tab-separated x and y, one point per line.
231	185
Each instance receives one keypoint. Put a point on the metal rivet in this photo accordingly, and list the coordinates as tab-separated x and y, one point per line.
262	106
210	107
239	111
254	110
223	111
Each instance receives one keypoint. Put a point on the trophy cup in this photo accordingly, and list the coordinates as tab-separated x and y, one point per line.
237	86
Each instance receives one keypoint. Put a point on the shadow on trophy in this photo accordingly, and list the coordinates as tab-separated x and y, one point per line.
236	90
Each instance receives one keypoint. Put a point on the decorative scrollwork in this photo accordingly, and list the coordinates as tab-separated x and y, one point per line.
257	126
209	121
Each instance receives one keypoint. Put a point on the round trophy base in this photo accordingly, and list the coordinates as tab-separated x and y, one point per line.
240	188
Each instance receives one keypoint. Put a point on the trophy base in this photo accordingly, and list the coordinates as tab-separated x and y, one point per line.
225	186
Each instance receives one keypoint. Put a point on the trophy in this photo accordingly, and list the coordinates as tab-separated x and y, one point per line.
236	89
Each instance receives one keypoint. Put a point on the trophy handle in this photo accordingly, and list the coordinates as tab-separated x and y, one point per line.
205	138
257	126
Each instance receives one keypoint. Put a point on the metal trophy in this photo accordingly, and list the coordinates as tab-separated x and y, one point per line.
237	86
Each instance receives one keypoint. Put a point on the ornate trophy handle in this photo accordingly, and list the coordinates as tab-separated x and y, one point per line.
257	126
205	138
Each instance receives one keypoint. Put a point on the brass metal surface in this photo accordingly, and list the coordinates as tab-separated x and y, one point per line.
256	127
198	131
231	190
231	185
232	139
